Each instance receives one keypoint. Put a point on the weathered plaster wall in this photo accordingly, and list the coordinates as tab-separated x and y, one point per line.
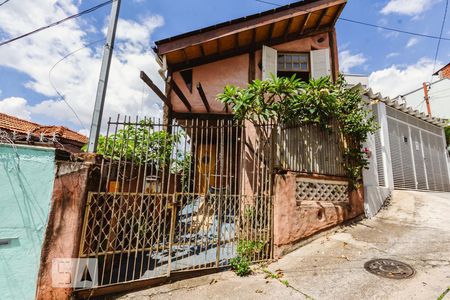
26	183
65	222
294	222
213	77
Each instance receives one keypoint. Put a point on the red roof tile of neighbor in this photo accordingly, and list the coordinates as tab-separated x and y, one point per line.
11	123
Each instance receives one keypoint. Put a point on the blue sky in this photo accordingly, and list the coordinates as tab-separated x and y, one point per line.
395	62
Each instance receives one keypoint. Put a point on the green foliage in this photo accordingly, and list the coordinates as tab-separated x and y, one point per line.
240	265
245	251
319	102
140	143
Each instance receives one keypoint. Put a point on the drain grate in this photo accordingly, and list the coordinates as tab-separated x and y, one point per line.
389	268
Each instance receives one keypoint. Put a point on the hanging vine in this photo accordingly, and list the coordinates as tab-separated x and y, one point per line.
319	102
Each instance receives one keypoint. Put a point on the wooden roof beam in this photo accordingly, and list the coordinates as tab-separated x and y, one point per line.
155	89
253	36
271	28
304	24
322	15
180	95
203	97
288	27
202	50
245	49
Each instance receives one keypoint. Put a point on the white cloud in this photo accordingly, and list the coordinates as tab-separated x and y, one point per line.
397	80
407	7
347	60
412	42
392	54
77	76
15	106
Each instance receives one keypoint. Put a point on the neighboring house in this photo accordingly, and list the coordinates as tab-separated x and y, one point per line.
26	182
24	132
408	152
438	92
31	156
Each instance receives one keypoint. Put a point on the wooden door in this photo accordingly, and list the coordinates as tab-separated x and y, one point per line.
206	167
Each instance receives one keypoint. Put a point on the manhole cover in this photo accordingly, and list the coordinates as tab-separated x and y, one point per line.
389	268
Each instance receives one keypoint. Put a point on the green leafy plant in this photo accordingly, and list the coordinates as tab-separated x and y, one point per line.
246	249
140	143
291	101
240	265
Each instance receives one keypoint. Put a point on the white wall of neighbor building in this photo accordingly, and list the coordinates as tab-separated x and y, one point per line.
354	79
374	194
439	94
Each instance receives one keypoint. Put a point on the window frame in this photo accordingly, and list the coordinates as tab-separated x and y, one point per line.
291	54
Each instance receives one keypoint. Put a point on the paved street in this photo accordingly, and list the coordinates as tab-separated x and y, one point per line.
414	228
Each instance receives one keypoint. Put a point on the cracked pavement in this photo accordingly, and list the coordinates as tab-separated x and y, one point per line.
414	228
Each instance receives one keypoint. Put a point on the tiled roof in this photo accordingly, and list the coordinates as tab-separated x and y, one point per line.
401	106
15	124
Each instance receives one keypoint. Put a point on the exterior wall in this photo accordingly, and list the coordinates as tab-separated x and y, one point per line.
26	183
295	221
213	77
354	79
72	181
374	194
439	99
235	70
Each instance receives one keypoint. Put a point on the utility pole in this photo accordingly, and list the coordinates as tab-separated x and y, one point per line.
104	75
427	98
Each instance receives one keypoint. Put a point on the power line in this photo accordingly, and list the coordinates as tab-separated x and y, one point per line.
439	42
87	11
4	2
56	90
371	25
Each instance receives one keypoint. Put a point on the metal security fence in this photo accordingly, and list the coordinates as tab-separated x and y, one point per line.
186	195
178	197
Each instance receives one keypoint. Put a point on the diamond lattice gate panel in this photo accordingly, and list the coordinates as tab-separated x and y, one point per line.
321	190
178	197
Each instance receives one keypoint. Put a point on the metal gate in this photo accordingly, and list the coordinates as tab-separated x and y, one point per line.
419	156
178	197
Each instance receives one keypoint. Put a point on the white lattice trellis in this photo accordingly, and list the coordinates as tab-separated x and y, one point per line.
321	190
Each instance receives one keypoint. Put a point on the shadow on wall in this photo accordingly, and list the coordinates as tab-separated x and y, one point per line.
27	176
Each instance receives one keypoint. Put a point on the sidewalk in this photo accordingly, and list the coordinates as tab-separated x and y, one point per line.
414	229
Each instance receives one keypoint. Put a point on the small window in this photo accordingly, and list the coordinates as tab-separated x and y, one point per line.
293	62
297	64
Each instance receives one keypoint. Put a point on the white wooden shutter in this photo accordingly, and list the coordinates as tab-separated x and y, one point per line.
320	63
269	62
